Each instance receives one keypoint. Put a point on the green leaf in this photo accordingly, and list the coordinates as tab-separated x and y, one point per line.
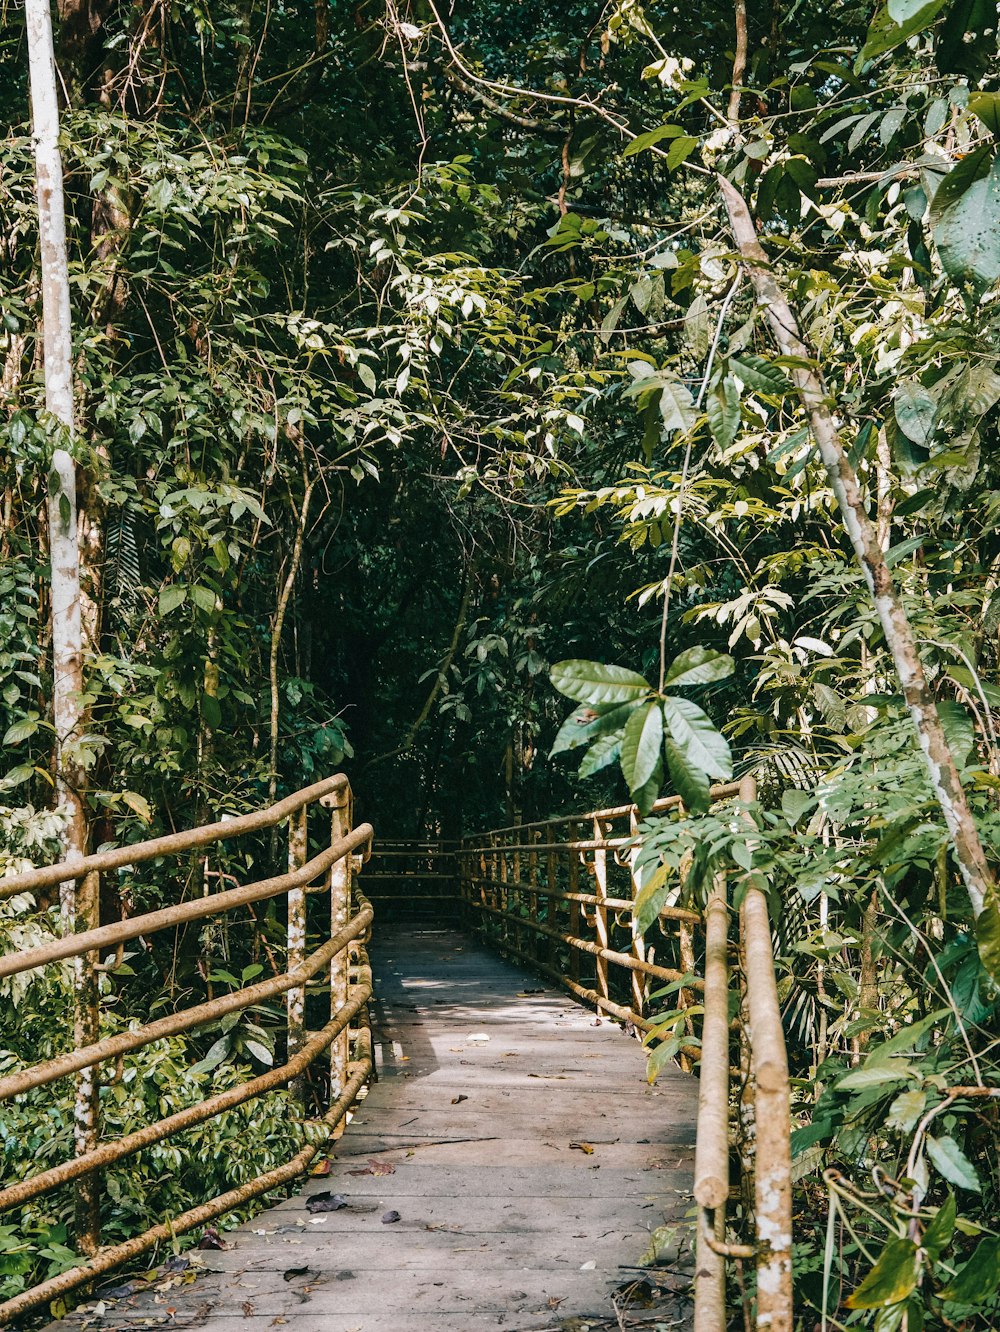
986	107
892	1278
650	898
260	1052
689	781
723	410
640	748
906	1110
605	750
138	804
203	597
759	374
594	683
962	175
643	141
214	1058
988	937
676	406
958	729
21	730
950	1161
586	724
171	597
885	33
680	150
941	1228
907	1038
645	796
699	665
901	11
968	234
915	410
978	1280
695	735
863	1079
795	803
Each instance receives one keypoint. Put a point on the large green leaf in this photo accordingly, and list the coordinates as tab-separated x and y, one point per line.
586	723
640	750
689	781
968	234
676	406
962	175
884	33
652	137
950	1161
603	752
645	796
958	729
759	374
695	735
595	683
891	1279
722	407
978	1280
699	665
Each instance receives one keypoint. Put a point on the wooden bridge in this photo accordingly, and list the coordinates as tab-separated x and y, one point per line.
510	1166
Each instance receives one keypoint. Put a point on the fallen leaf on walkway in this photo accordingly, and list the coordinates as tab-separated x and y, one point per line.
555	1301
477	1036
389	1217
583	1147
457	1100
326	1202
321	1169
375	1168
588	1266
442	1225
549	1077
211	1239
526	994
293	1273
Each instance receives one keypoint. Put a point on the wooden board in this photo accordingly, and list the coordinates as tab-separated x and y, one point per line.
487	1079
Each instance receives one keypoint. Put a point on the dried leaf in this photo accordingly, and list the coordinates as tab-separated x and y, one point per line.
388	1218
326	1202
582	1147
457	1100
293	1273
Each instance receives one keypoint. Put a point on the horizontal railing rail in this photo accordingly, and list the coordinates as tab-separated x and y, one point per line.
414	877
520	890
346	1036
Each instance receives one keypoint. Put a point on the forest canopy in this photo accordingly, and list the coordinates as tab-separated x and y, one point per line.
435	366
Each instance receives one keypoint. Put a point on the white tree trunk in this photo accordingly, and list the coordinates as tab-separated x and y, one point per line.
67	664
899	637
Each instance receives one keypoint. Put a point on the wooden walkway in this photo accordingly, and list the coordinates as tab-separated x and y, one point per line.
506	1171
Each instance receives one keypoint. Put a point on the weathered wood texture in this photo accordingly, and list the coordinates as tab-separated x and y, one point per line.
485	1082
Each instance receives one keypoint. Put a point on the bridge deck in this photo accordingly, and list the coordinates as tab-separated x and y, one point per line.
486	1083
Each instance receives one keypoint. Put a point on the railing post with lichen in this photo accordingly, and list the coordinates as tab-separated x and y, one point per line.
772	1113
339	805
295	1003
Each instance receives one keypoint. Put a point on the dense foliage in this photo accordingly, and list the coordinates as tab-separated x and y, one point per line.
381	415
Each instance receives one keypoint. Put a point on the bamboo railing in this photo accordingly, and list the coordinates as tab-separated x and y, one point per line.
559	896
341	959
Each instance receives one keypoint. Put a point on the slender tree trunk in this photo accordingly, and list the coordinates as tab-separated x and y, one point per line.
945	781
67	658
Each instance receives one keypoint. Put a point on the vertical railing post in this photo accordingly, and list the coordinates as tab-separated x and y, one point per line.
295	1004
573	880
534	948
772	1112
341	876
86	908
711	1160
509	933
549	944
640	982
601	911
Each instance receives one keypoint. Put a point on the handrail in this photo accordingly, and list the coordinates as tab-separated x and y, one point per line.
342	952
519	889
171	844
